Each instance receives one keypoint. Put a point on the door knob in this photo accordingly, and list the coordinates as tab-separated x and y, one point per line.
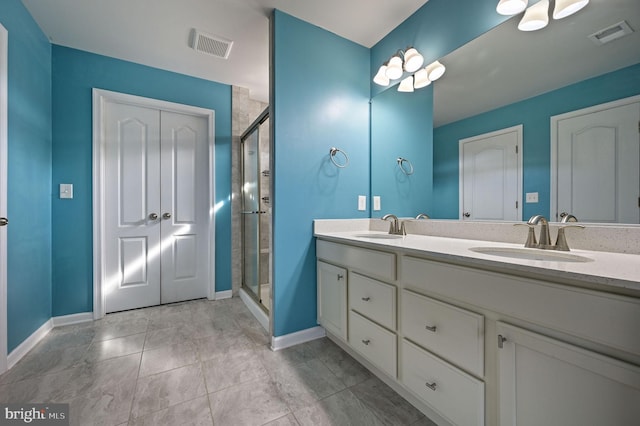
467	214
166	215
4	221
153	216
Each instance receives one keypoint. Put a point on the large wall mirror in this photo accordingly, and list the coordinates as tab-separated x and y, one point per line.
507	77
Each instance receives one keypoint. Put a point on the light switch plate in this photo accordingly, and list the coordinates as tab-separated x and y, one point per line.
66	190
376	203
362	202
532	197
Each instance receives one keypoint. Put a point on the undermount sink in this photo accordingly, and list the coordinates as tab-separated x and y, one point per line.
380	236
531	254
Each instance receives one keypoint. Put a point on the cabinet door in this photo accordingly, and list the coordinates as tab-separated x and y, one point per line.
332	299
543	381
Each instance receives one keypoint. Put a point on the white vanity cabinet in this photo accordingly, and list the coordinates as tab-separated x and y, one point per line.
543	381
332	298
472	346
368	304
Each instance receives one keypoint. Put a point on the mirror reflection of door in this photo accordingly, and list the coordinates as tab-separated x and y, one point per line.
491	175
597	167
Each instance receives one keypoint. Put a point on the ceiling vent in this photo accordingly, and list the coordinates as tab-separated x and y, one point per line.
211	45
611	33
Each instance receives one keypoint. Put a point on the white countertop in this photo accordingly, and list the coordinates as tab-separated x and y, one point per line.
614	272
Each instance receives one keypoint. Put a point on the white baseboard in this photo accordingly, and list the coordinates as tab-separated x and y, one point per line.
226	294
296	338
253	307
29	343
72	319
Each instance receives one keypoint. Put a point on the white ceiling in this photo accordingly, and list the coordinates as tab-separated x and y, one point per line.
156	32
506	65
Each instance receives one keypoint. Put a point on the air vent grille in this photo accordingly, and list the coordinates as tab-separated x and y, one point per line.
611	33
212	45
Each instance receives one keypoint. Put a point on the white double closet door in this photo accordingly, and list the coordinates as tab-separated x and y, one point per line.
156	206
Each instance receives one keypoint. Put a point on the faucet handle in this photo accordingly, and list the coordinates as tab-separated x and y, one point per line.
561	240
531	235
402	230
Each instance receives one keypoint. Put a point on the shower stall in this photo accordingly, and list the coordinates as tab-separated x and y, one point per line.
256	211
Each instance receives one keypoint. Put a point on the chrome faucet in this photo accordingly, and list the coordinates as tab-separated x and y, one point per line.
566	217
394	227
423	216
561	241
545	238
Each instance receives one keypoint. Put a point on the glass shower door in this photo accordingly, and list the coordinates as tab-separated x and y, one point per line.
251	213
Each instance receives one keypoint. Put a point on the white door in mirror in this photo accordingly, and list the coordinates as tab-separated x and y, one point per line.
598	164
490	176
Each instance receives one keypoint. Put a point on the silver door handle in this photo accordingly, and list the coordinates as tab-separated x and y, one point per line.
153	216
4	221
166	215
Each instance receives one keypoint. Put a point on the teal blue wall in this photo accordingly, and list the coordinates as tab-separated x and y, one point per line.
401	126
320	99
437	28
75	73
29	176
535	114
403	121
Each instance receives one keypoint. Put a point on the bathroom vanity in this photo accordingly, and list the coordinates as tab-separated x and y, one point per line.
491	336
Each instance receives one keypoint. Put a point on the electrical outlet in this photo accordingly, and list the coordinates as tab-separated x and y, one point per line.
376	203
532	197
66	190
362	202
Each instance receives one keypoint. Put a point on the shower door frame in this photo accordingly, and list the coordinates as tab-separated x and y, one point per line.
254	127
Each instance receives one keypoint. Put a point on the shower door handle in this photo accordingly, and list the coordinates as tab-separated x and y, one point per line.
254	212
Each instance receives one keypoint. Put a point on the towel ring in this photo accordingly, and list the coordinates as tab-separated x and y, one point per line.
406	169
332	154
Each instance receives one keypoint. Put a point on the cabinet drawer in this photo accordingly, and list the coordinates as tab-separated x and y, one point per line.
608	319
454	394
371	262
450	332
374	342
373	299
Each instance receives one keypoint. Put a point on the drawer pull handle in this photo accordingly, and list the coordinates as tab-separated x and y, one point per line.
366	299
431	386
430	328
340	276
366	341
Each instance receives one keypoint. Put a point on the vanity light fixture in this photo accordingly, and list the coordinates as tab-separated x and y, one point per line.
381	76
536	16
511	7
406	85
564	8
410	61
435	70
421	79
394	68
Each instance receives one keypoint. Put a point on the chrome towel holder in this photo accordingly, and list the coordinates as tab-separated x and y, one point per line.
333	151
405	165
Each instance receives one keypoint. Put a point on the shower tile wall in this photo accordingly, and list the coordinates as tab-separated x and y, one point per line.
244	111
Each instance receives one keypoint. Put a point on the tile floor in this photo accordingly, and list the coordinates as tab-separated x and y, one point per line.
199	363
